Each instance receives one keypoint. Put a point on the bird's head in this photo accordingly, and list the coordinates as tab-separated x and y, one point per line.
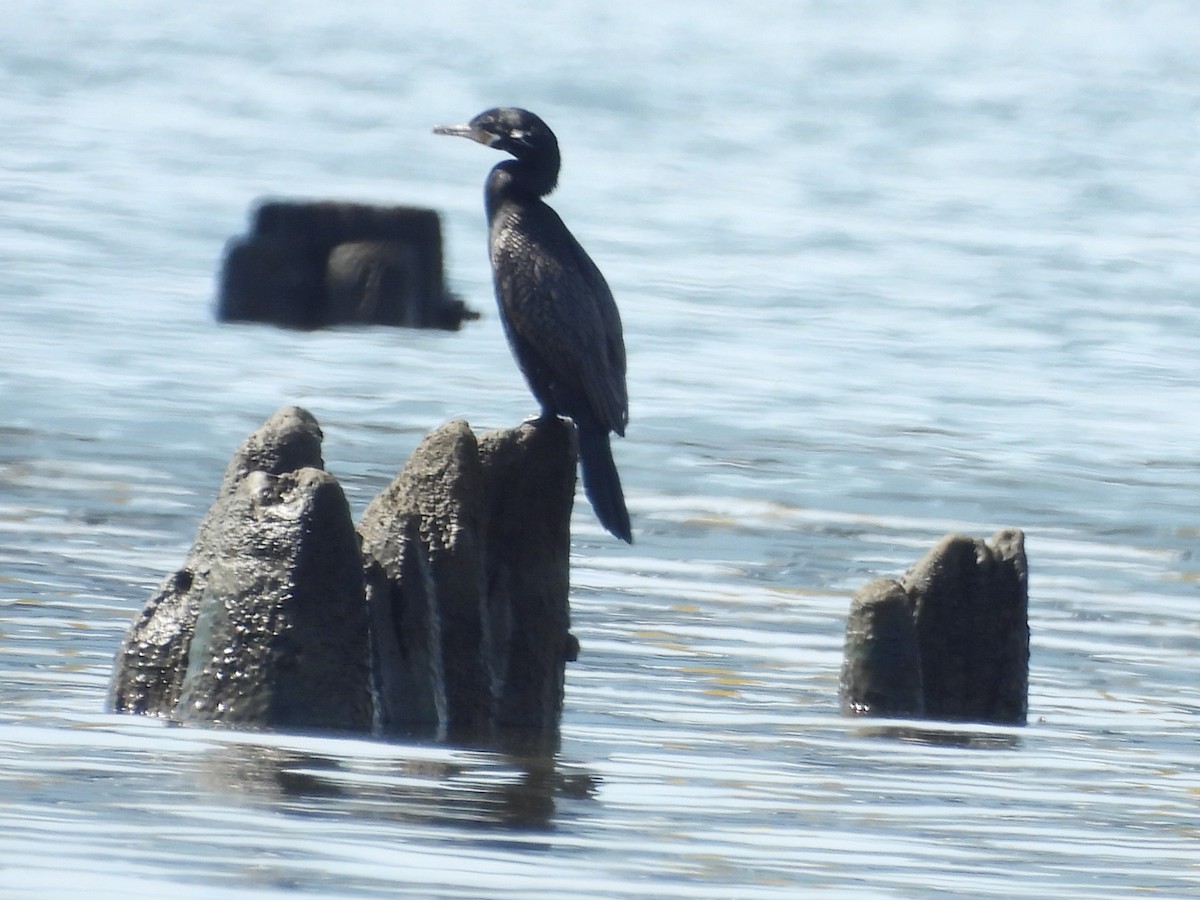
515	131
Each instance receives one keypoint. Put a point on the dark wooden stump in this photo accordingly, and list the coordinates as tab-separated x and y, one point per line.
468	572
451	615
265	625
530	477
949	640
312	264
881	667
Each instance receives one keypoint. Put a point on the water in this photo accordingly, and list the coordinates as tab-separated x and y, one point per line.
886	272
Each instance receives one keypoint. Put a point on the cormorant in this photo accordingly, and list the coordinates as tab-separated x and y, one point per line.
558	313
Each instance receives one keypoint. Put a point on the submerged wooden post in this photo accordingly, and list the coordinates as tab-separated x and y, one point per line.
468	571
530	476
881	666
949	640
448	608
265	624
313	264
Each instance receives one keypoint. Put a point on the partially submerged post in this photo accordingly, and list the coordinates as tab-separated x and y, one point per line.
264	625
453	614
467	557
881	668
949	640
317	263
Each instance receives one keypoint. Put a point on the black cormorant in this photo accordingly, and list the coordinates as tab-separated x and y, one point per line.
557	310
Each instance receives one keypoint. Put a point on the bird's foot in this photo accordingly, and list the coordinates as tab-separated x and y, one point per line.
543	416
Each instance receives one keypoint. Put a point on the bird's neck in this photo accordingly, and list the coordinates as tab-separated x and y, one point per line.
520	180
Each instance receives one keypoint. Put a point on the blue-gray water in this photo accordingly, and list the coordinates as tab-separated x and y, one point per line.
886	270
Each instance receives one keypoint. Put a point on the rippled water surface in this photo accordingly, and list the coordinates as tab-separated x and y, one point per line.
887	271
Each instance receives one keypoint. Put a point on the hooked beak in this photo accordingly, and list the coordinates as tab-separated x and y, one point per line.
474	134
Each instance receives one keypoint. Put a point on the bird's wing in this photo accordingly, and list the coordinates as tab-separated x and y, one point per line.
555	298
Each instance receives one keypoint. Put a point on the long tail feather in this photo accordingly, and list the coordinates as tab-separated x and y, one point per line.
601	482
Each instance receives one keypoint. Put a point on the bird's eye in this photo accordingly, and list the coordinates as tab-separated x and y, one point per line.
519	135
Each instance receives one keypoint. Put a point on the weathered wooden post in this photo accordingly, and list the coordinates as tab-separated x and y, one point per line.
316	263
949	640
468	571
448	609
265	624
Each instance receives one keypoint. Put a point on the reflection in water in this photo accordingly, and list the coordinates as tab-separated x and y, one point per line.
935	737
514	783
